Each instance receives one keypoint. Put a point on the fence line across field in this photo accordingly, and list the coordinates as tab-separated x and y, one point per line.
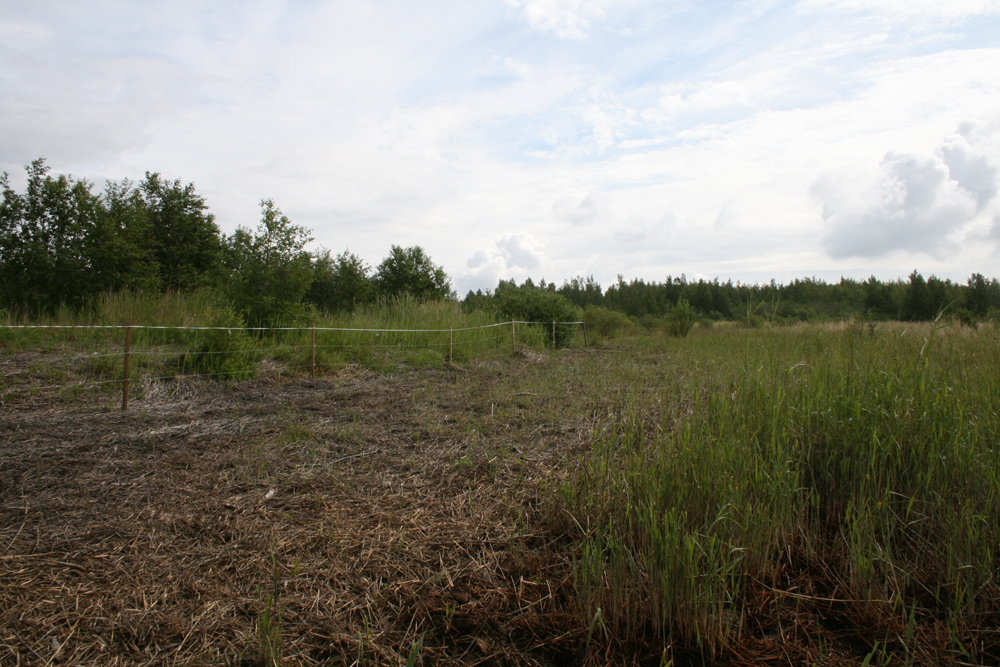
127	353
256	350
231	329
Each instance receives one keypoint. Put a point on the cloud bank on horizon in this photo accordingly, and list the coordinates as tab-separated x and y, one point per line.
542	138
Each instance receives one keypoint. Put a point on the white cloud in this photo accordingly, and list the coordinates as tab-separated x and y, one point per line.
593	208
516	256
727	218
910	8
645	232
522	251
566	19
680	99
971	169
913	204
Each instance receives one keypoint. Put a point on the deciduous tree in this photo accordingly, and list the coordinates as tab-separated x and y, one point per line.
270	271
44	239
340	283
411	271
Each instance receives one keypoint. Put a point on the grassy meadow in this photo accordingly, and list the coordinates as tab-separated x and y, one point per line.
812	494
853	466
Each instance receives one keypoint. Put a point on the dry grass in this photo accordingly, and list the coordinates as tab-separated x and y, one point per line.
391	514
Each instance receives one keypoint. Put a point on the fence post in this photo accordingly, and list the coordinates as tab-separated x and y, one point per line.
513	338
553	334
451	343
312	365
128	332
584	333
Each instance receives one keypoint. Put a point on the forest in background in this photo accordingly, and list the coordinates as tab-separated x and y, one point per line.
63	245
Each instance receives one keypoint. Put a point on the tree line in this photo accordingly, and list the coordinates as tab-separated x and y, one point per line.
809	299
63	245
915	299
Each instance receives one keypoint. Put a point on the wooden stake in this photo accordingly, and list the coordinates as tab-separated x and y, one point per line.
513	338
128	332
553	334
312	365
585	334
451	343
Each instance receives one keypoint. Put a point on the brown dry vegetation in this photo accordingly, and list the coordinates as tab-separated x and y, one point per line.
385	506
373	511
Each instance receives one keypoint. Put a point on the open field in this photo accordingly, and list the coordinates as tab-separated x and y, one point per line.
811	495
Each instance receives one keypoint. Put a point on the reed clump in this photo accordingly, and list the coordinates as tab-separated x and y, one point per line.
869	457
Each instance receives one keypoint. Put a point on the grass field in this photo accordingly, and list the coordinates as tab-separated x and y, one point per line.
811	495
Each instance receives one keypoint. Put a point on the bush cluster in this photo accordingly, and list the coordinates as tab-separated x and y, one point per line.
605	322
538	306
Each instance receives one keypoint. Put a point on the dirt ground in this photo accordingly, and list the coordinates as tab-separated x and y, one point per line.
360	513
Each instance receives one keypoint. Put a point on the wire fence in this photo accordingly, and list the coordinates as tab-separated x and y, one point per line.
43	359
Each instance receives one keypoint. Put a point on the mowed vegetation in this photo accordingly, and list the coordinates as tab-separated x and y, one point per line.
813	494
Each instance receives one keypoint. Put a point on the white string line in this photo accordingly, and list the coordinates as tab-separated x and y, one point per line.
52	359
231	329
191	353
549	322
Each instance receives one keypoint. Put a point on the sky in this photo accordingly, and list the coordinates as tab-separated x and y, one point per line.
747	141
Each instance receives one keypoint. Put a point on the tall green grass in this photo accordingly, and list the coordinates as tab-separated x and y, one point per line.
870	454
199	333
198	308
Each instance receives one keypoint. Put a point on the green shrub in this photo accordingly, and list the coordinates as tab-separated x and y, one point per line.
605	322
681	319
222	352
539	307
648	321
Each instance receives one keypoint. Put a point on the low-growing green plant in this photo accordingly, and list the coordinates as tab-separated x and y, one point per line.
269	623
424	357
415	650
